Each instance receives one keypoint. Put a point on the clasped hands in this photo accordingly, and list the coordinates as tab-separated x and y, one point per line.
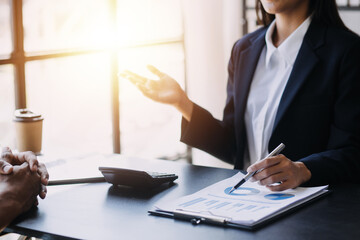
24	177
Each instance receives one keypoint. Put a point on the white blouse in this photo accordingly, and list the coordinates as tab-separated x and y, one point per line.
270	78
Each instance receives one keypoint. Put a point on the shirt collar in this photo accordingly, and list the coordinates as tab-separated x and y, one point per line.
290	47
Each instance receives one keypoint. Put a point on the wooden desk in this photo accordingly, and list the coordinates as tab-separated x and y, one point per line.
102	211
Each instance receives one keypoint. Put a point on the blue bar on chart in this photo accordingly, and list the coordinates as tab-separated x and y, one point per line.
260	208
220	205
211	202
192	202
247	208
237	205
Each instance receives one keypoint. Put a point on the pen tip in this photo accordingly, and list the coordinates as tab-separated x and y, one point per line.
231	190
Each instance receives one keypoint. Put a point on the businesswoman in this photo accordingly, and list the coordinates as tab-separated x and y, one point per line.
297	81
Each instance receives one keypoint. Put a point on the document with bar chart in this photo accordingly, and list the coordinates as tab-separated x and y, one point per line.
247	206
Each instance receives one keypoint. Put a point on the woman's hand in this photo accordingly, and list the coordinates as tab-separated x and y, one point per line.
280	173
165	90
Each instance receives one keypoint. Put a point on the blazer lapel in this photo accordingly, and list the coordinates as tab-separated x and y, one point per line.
247	66
242	79
304	64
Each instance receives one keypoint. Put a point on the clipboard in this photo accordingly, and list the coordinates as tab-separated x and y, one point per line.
199	218
196	217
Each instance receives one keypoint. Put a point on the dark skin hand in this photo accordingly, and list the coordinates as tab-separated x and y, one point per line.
18	192
9	160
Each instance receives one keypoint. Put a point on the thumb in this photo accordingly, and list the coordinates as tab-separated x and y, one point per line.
155	71
5	167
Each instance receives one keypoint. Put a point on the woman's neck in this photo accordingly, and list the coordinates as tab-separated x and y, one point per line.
287	23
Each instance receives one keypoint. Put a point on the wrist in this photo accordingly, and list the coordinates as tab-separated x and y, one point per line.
305	172
10	208
185	106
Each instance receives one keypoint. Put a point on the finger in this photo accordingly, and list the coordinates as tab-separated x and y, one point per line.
5	167
7	155
155	71
265	163
280	187
275	178
133	76
43	191
30	158
6	150
266	172
44	175
24	165
136	82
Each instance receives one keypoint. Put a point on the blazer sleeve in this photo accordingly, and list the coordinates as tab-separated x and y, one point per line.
209	134
341	162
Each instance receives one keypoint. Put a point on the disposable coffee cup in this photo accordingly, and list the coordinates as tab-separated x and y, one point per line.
28	127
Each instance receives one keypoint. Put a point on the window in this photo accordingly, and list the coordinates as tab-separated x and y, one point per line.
62	61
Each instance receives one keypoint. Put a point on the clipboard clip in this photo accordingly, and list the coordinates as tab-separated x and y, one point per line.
197	217
195	221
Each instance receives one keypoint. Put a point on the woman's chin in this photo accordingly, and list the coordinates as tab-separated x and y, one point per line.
269	7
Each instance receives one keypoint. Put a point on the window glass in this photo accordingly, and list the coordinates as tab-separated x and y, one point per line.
73	94
7	106
148	20
65	24
6	46
148	128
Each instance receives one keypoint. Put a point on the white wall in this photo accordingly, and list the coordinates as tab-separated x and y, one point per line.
211	28
351	20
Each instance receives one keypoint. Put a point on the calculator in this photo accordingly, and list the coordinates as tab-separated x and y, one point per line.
136	178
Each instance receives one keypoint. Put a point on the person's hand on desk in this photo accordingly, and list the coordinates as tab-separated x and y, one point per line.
18	192
280	173
164	90
9	160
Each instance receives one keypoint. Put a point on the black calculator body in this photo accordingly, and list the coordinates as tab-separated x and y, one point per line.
136	178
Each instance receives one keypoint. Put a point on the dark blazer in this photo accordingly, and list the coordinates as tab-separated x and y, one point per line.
318	118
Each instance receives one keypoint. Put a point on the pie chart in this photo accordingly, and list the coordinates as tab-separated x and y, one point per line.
241	191
278	196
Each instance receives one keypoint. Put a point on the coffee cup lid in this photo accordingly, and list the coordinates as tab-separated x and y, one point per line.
26	115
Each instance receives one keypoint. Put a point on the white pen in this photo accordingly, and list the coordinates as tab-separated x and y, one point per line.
276	151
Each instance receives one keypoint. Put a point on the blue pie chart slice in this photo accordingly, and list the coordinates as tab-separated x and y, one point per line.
241	191
279	196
